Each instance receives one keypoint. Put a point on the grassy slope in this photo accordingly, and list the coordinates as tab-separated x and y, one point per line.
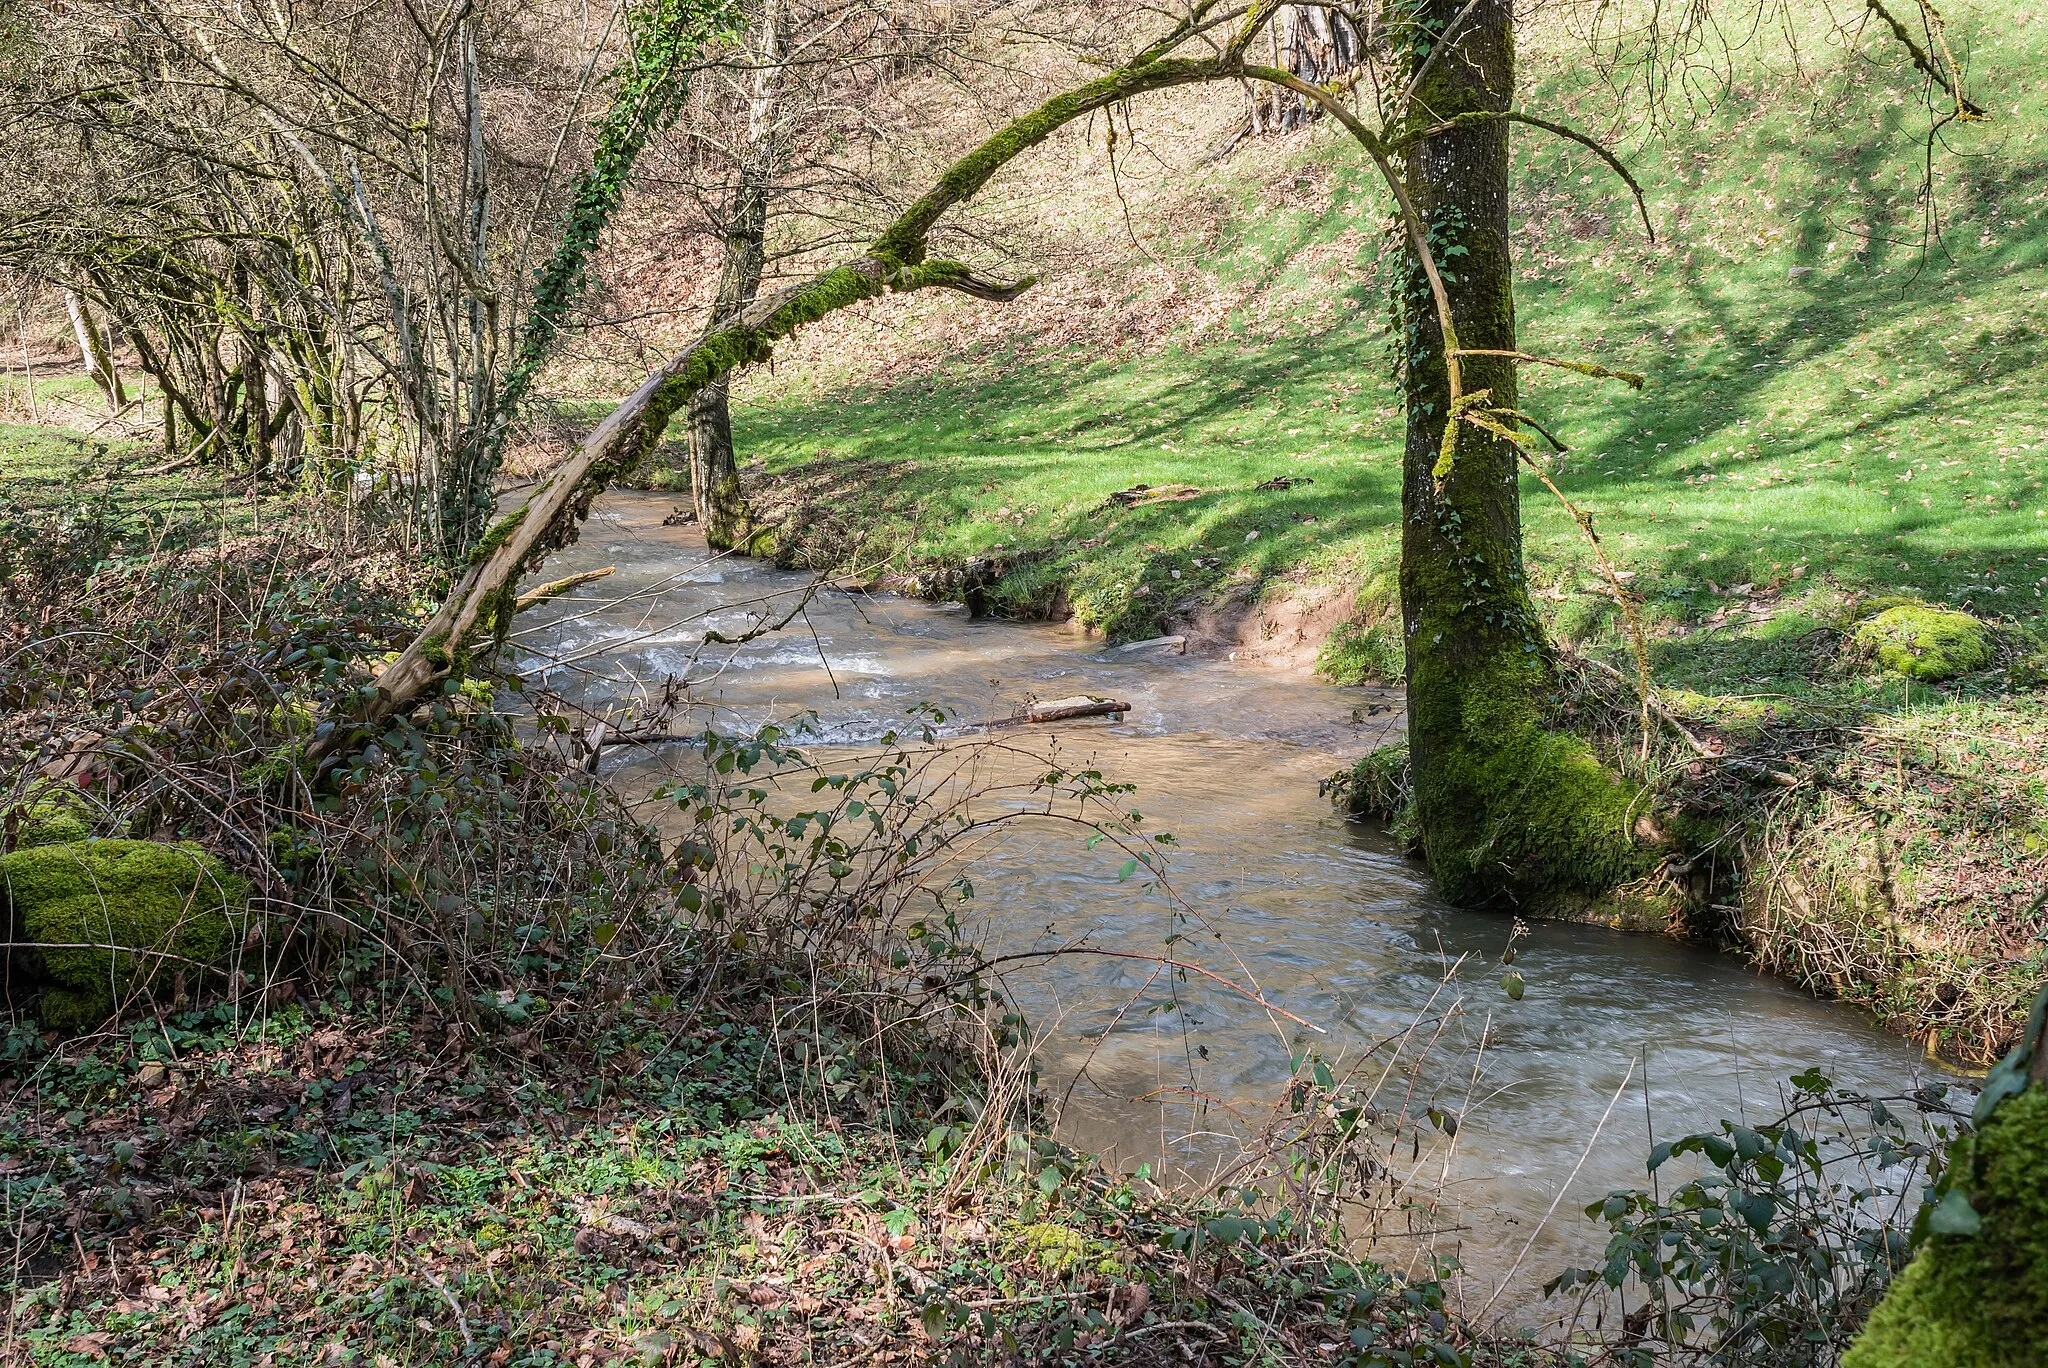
1833	414
1784	415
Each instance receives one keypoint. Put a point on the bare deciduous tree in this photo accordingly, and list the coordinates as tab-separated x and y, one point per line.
316	221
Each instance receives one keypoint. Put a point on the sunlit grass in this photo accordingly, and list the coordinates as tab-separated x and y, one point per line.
1831	403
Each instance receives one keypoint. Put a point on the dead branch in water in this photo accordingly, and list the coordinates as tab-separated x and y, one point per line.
534	598
1059	710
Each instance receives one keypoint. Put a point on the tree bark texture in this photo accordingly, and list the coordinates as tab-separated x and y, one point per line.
1317	46
1509	811
1313	44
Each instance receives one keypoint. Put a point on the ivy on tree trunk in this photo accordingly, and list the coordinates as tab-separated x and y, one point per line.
663	37
1508	810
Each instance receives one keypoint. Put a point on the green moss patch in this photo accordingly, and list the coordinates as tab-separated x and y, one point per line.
1542	809
53	814
1926	643
111	916
1977	1300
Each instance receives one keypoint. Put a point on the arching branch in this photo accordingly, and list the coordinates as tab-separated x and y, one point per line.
479	607
1419	236
1634	380
1562	131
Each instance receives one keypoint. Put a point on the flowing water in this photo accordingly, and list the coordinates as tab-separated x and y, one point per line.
1617	1034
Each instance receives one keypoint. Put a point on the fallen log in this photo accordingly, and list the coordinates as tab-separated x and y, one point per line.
1180	641
1144	496
658	737
1054	710
1060	710
534	598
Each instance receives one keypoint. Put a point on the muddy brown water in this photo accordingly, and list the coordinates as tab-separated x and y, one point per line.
1617	1035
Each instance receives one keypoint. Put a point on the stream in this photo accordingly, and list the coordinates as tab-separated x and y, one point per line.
1617	1037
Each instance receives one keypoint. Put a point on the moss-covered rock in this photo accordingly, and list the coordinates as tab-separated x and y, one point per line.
53	814
111	916
1926	643
1976	1294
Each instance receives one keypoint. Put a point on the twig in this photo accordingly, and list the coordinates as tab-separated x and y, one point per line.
1156	1326
1699	747
461	1321
1967	110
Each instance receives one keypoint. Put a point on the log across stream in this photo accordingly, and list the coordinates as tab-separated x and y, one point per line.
1326	916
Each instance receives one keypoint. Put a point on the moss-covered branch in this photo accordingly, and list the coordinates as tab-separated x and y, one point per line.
479	608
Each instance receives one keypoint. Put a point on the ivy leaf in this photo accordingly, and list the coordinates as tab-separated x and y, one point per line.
1953	1215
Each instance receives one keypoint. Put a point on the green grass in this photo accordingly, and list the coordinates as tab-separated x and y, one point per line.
1871	423
67	496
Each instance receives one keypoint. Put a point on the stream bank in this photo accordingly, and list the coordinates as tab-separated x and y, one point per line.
536	1117
1866	836
1265	884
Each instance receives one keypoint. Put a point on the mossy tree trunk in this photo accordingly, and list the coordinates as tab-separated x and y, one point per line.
1976	1293
721	503
1508	811
722	508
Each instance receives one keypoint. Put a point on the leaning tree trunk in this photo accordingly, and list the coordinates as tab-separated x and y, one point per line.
478	609
99	357
1508	810
714	466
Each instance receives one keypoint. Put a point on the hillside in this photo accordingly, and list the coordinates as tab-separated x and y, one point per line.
1842	412
1831	396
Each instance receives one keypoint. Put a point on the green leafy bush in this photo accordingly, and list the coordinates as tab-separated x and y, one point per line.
1775	1254
1377	786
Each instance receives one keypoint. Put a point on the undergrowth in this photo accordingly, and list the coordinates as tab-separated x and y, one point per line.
502	1074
